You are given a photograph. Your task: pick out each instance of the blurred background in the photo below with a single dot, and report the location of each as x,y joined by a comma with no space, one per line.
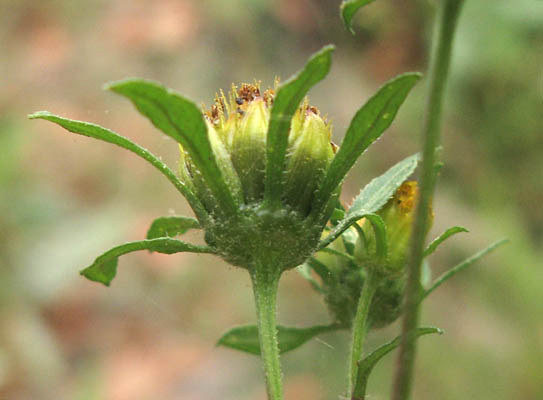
64,199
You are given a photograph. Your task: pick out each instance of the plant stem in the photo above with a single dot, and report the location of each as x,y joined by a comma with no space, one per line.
439,69
360,325
265,280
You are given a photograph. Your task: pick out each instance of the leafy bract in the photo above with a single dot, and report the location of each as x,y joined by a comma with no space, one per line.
182,120
245,338
104,268
441,238
349,8
285,103
106,135
374,195
367,125
365,366
461,266
381,241
171,226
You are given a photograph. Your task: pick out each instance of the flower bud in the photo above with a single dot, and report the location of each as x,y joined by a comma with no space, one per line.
237,127
346,278
397,214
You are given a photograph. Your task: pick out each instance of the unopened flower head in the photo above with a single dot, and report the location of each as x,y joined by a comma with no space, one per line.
237,125
345,281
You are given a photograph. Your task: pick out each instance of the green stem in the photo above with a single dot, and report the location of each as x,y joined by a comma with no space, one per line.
360,325
265,280
445,28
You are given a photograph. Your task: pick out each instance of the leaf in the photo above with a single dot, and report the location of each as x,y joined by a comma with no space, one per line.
461,266
183,121
348,9
286,102
368,124
374,195
106,135
171,226
245,338
104,268
366,365
441,238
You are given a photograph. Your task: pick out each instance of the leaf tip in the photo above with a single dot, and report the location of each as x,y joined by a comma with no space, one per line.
39,114
93,276
117,86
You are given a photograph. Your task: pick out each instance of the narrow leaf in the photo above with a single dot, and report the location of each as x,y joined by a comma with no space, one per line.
441,238
182,120
104,268
374,195
461,266
367,126
171,226
106,135
366,365
286,102
245,338
348,9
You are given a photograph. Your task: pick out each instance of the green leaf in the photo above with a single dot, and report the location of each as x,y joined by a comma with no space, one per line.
182,120
366,365
462,266
106,135
374,195
286,102
104,268
245,338
441,238
348,9
368,124
171,226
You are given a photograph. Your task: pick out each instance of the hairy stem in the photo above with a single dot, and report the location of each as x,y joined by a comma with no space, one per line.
360,325
445,29
265,280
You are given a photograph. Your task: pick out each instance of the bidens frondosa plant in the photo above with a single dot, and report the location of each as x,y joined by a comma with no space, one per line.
261,175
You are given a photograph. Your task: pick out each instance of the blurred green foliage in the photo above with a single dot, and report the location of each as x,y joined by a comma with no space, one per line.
65,199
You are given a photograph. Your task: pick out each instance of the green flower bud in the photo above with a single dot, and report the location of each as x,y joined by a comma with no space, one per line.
346,278
237,129
397,214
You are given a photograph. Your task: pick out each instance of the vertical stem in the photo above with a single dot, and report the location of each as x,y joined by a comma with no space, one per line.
265,280
439,69
360,326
